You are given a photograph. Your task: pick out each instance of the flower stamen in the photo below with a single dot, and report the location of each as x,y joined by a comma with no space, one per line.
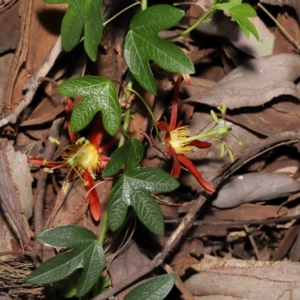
83,156
178,140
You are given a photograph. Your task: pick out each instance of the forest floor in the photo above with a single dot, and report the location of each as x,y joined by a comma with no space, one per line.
241,242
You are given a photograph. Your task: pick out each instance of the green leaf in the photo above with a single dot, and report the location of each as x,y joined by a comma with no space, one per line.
134,189
67,286
142,44
66,237
153,289
82,16
87,254
102,285
129,155
99,94
241,13
226,4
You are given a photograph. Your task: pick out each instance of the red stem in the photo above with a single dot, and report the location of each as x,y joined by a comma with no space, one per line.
175,103
68,108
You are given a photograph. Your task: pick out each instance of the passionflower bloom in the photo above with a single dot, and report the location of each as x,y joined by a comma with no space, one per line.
179,142
84,158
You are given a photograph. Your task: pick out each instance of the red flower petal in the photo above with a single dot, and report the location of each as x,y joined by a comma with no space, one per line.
106,146
162,125
200,144
96,135
176,168
190,166
36,160
94,201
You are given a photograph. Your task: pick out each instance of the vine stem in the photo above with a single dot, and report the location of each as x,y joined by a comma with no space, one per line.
144,4
147,107
119,13
104,226
199,21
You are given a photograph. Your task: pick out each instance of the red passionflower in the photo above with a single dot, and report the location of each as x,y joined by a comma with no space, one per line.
178,142
83,157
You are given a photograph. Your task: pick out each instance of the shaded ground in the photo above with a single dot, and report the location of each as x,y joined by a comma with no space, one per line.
230,240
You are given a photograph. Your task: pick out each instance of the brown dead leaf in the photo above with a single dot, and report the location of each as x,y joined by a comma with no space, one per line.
289,22
188,245
40,34
15,186
237,278
255,187
10,28
245,212
286,243
292,3
182,261
127,264
276,117
294,253
254,83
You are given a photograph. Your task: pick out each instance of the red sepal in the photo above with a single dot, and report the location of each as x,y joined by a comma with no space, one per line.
48,164
200,144
94,201
191,167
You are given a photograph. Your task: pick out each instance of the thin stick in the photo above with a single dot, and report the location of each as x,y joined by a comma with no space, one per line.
252,241
281,28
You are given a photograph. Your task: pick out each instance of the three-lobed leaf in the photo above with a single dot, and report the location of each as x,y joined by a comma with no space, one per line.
99,94
153,289
86,254
134,189
82,16
129,156
142,44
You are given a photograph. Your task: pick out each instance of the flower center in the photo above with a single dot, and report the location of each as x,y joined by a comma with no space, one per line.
83,156
179,142
88,157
